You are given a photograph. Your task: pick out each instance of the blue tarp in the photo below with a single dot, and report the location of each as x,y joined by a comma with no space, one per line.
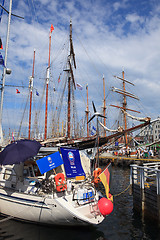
72,162
49,162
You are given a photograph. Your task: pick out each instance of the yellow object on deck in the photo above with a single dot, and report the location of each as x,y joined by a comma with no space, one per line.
79,178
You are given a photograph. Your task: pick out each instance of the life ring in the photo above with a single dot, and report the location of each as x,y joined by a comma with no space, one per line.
60,181
96,173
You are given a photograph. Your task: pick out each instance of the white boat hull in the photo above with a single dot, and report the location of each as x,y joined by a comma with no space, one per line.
46,210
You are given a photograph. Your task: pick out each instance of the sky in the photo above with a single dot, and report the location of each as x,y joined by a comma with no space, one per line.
108,37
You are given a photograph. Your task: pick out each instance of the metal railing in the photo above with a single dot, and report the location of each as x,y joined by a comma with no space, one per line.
146,175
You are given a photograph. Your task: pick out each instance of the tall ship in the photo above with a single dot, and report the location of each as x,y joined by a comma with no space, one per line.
57,187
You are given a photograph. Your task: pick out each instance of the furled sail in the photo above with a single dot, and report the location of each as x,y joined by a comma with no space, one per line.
120,129
146,119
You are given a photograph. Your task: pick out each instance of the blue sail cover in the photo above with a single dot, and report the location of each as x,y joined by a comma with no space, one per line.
49,162
72,163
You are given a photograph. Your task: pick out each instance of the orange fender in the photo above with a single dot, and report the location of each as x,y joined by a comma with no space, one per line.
60,181
96,173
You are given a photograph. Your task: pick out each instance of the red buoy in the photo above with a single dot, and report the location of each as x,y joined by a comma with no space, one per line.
105,206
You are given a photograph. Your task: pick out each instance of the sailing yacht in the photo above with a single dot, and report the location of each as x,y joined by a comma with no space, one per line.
57,189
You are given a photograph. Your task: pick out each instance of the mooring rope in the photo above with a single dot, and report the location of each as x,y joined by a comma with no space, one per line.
118,194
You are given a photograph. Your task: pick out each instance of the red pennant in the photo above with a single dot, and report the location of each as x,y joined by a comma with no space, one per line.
1,46
52,28
17,91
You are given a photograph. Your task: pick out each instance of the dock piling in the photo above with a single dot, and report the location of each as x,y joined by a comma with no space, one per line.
145,181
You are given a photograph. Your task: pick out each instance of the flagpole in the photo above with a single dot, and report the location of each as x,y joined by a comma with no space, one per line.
124,107
69,87
4,71
31,90
97,156
104,105
87,112
47,82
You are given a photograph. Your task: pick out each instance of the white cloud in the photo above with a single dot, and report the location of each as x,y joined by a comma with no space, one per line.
134,18
120,5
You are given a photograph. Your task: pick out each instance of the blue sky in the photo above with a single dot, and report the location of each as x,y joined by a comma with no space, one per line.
108,36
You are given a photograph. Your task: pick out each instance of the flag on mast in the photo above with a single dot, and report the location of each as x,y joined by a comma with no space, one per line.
17,91
1,60
105,177
52,28
1,46
79,86
37,93
59,79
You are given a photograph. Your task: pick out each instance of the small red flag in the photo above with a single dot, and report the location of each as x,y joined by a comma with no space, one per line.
59,79
17,91
1,46
52,28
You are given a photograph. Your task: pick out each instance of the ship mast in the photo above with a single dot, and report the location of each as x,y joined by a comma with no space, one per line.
69,108
104,105
124,107
71,59
87,112
31,91
124,104
47,82
5,70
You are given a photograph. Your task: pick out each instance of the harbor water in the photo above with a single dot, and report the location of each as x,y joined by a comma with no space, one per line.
123,222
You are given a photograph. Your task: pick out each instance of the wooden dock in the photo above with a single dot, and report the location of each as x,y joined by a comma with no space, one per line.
145,182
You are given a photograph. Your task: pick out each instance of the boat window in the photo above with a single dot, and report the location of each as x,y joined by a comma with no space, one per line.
25,172
31,174
36,171
7,174
28,171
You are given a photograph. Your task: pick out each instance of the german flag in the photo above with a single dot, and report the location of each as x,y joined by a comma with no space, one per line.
105,177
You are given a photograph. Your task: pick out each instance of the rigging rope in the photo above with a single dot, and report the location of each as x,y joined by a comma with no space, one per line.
19,131
37,114
34,15
118,194
1,10
59,105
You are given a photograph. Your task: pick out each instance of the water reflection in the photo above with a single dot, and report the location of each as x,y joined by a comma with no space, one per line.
124,223
18,230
